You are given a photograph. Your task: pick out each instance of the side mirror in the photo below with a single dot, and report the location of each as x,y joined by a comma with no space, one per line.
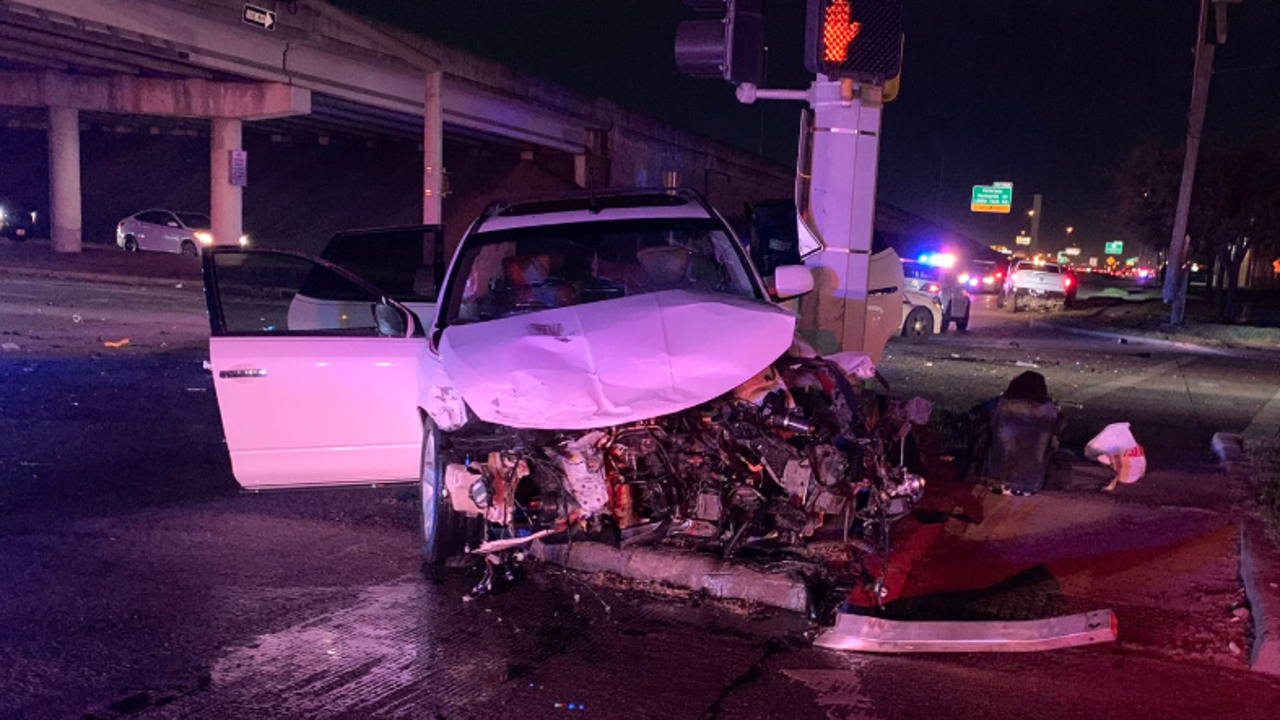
791,281
391,320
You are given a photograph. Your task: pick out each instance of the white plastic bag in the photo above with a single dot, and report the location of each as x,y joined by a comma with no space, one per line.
1116,448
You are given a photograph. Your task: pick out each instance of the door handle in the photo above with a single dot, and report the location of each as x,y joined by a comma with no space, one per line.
251,373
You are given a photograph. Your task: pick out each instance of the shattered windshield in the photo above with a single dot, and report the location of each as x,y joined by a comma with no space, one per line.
509,272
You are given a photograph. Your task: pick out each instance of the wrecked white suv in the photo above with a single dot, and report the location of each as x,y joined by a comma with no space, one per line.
607,366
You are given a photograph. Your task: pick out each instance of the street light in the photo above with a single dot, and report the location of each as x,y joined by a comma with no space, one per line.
1031,213
1070,229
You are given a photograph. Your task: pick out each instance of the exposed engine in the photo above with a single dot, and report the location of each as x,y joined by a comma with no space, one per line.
798,458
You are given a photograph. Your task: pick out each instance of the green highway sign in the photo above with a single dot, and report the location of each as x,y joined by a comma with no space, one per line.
1115,248
997,198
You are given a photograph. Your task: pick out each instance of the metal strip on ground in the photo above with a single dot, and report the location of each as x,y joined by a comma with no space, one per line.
861,633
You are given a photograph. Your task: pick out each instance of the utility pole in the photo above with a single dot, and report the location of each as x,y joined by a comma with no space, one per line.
1037,212
1175,280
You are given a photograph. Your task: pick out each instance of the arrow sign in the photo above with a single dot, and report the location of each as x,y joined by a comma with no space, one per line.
259,17
838,32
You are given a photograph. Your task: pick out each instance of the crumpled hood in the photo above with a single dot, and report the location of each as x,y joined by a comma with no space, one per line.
612,362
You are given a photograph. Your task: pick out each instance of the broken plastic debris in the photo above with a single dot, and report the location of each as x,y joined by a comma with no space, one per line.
76,318
1116,448
1024,363
179,286
10,346
116,343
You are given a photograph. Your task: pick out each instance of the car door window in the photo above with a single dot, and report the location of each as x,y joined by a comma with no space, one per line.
277,294
152,217
406,263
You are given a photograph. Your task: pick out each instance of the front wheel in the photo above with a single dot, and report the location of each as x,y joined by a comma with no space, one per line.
919,325
444,530
189,249
946,319
130,243
963,323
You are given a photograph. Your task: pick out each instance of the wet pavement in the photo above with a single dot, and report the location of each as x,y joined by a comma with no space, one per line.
139,582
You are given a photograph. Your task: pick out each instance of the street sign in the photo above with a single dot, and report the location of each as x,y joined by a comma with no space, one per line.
259,17
1131,262
1114,248
1072,251
1093,262
1111,262
1023,239
1063,258
996,198
238,174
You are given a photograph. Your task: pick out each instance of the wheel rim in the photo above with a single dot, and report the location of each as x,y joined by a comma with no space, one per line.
430,481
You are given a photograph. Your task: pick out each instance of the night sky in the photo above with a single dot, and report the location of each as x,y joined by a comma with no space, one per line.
1047,94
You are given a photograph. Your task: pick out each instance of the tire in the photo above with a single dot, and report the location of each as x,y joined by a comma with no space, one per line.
963,323
189,249
1000,300
130,243
1013,304
444,532
946,318
918,326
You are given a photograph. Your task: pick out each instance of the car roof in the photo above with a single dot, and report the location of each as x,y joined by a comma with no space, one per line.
582,207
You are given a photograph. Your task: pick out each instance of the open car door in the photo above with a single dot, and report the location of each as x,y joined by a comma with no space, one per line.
311,398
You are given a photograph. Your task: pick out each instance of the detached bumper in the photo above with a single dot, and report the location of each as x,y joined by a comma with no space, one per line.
861,633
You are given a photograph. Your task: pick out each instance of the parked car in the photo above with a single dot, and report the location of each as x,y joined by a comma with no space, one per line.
17,221
1037,282
597,366
983,277
943,284
184,233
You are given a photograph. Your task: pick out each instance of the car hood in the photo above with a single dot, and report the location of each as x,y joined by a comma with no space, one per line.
612,362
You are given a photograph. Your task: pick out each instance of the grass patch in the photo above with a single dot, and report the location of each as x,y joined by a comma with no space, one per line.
1266,463
1148,319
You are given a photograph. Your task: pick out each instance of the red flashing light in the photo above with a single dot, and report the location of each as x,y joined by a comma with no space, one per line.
999,275
838,32
934,288
1066,282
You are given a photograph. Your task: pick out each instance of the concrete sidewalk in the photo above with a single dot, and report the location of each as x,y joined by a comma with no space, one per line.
98,263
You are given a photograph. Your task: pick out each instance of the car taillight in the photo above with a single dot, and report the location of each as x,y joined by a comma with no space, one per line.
934,288
999,275
1066,282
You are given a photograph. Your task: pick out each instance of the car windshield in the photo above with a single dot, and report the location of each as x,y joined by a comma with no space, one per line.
195,220
508,272
921,272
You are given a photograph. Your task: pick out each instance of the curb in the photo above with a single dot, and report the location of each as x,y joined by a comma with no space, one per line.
1260,571
717,578
1259,563
96,277
1137,339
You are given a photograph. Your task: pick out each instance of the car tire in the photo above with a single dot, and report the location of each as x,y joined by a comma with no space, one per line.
918,326
189,249
963,323
1013,304
444,531
946,319
1000,300
130,243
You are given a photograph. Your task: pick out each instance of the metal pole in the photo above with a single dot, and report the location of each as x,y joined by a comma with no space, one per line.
1175,281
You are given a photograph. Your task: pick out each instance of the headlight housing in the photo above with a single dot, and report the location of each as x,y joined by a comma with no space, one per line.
244,241
204,237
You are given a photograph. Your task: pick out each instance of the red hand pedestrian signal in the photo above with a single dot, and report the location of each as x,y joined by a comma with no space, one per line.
838,31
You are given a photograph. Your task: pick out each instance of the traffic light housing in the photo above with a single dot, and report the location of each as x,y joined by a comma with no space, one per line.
726,42
856,39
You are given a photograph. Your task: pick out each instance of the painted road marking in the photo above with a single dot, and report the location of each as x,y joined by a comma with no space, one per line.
1127,381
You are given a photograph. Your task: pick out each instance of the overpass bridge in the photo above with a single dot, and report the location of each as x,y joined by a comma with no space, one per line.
309,67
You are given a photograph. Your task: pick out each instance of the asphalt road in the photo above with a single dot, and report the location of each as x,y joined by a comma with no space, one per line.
139,582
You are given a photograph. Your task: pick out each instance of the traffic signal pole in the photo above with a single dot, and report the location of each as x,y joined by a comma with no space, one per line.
840,212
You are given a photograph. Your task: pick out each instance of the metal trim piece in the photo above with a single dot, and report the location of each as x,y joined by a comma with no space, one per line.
862,633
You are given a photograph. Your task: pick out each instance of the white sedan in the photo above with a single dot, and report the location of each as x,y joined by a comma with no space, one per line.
182,233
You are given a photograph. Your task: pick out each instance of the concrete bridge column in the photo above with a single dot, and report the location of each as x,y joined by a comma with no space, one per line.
65,217
226,203
432,149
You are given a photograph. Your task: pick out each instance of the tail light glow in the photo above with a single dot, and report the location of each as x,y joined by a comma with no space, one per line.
1066,283
934,288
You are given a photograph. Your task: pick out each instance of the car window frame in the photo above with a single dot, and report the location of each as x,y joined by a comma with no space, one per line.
213,294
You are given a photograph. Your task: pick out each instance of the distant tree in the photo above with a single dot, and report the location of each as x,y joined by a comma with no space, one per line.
1146,193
